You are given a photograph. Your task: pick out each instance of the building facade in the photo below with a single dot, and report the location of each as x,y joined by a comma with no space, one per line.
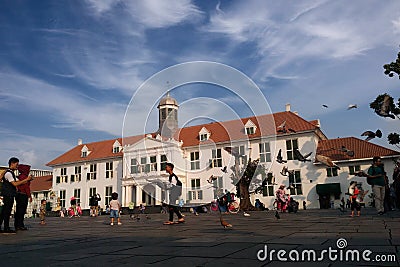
206,155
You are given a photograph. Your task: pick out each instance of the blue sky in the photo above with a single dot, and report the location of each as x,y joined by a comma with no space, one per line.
68,69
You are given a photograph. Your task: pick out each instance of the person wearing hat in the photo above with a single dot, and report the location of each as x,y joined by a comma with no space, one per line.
355,204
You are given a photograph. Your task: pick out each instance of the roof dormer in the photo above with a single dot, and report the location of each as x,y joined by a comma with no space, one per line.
85,151
204,134
250,127
117,147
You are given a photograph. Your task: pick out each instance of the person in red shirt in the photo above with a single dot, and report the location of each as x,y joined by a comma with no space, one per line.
354,198
22,197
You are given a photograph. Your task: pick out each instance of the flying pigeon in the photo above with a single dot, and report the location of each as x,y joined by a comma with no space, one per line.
211,179
371,135
325,106
300,157
351,106
282,125
349,153
284,171
326,160
384,111
224,223
282,128
234,151
279,158
277,215
224,169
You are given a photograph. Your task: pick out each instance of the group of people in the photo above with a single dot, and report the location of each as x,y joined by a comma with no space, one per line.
16,188
285,202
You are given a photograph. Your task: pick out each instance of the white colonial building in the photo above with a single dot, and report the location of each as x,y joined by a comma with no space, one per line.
86,170
203,158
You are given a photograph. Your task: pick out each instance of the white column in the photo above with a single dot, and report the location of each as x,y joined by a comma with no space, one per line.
123,197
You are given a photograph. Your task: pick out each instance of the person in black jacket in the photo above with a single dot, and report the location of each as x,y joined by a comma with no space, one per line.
9,191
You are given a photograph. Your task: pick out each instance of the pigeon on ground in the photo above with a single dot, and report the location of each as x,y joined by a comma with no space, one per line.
351,106
245,214
371,135
224,223
279,158
384,111
224,169
211,179
300,157
277,215
326,161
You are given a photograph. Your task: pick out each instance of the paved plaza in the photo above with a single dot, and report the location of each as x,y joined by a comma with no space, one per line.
202,241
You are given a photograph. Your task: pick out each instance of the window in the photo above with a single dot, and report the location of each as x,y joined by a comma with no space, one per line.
91,175
77,195
195,184
134,166
216,160
218,187
116,149
76,177
291,145
203,137
268,186
195,160
354,169
62,198
331,172
92,191
144,167
265,152
295,183
58,179
163,161
46,195
108,195
195,193
84,154
163,114
250,130
242,155
109,170
153,163
64,177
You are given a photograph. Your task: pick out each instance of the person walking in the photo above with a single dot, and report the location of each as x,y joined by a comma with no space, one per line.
9,191
175,191
376,176
115,207
354,198
22,198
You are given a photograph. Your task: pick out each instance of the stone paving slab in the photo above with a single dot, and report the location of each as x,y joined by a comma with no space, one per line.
200,241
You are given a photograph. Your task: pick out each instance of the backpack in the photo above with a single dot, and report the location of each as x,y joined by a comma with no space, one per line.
8,189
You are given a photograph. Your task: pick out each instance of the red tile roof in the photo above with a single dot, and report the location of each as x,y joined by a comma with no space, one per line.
220,132
362,149
98,150
235,129
42,183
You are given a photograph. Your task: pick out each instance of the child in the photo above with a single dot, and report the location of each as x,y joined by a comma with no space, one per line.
42,211
141,208
354,194
115,206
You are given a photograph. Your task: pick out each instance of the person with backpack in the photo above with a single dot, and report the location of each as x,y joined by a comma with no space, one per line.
9,191
175,187
376,178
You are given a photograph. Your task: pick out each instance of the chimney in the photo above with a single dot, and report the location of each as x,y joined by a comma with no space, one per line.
287,107
79,142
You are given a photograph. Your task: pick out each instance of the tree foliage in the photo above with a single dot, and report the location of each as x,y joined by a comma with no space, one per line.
393,67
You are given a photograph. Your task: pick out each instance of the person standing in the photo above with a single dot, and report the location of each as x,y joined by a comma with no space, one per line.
376,174
175,192
43,212
115,207
354,196
9,191
96,204
22,197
